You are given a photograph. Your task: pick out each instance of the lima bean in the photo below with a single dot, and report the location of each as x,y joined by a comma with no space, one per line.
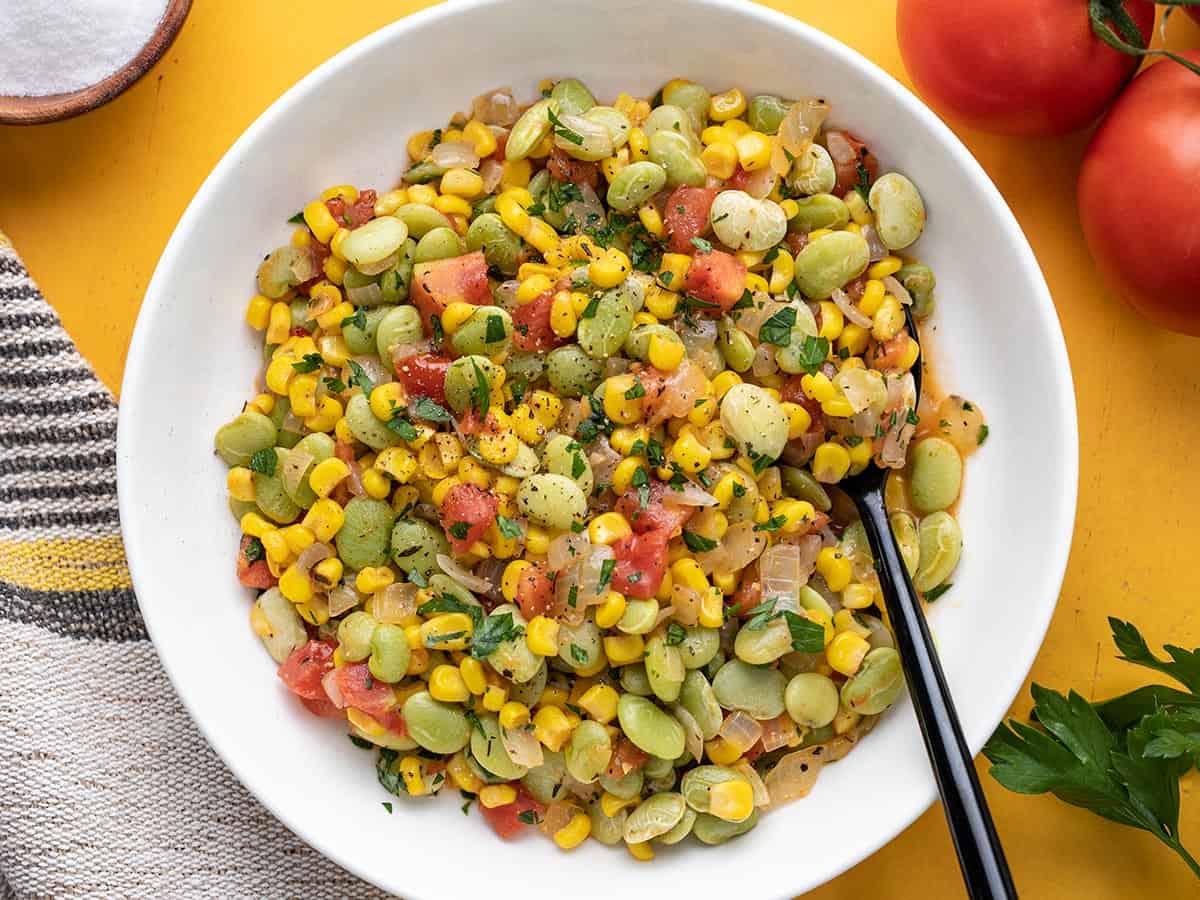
287,628
674,120
819,211
365,427
462,379
635,184
545,782
664,668
759,646
488,749
941,547
800,483
374,241
529,130
675,154
614,121
697,697
563,456
602,334
626,787
918,280
270,495
501,247
681,830
551,500
742,222
758,692
571,372
609,831
830,262
573,97
320,447
588,751
390,653
904,527
899,210
690,97
711,830
811,700
654,816
415,545
438,243
237,441
699,646
363,539
755,420
813,172
579,646
361,341
735,345
399,325
876,685
634,680
765,112
512,658
436,726
649,728
420,219
487,332
640,617
936,476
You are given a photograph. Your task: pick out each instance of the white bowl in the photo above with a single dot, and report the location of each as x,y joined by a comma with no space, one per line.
192,364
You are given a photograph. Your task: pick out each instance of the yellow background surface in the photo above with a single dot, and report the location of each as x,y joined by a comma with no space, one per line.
90,204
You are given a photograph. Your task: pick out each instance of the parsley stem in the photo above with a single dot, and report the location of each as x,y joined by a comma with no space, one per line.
1175,845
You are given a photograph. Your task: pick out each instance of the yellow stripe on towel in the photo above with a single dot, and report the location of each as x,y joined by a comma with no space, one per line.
65,564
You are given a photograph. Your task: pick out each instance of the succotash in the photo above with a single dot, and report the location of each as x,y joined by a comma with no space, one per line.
539,488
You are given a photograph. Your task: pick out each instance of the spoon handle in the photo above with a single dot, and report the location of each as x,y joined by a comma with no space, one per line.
980,855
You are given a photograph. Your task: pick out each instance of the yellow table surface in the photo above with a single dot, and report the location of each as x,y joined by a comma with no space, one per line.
90,204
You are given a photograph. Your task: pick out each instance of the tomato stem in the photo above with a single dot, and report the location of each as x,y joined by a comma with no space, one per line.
1130,40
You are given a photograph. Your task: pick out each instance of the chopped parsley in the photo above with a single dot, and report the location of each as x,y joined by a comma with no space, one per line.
911,417
702,245
492,632
982,436
933,593
606,572
358,320
562,131
862,181
254,550
529,817
772,524
807,636
335,385
460,530
746,301
813,353
297,219
578,466
359,377
777,330
579,654
430,410
589,311
310,362
402,427
481,393
508,528
636,391
762,615
561,193
495,330
698,543
675,634
264,461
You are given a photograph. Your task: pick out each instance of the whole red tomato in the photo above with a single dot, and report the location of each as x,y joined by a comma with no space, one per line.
1029,67
1137,195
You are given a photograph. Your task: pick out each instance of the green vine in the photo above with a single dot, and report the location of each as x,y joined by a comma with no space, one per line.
1126,37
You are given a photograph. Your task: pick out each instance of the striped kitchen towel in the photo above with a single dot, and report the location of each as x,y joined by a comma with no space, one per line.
106,787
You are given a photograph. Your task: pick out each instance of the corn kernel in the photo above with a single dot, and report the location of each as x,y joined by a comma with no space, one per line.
754,151
641,851
839,407
623,398
712,608
853,340
410,772
532,288
726,106
846,651
732,801
650,218
858,596
494,795
662,304
276,546
677,265
494,698
447,631
541,236
610,611
295,585
720,158
325,518
755,283
515,173
562,315
446,684
608,528
663,354
689,453
513,214
834,567
514,715
541,636
462,775
623,650
625,471
610,269
861,453
240,482
721,752
639,145
600,702
575,832
537,540
320,221
889,319
551,727
373,578
830,463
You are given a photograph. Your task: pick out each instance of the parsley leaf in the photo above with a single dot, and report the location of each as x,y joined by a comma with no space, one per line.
508,528
263,461
777,330
675,634
807,636
561,193
562,131
529,817
254,550
636,391
460,530
492,632
447,603
982,436
402,427
1184,665
702,245
359,377
297,219
358,320
698,543
606,572
772,524
862,181
430,410
578,466
481,393
495,330
334,385
360,743
813,353
310,362
762,615
655,453
589,311
746,301
579,654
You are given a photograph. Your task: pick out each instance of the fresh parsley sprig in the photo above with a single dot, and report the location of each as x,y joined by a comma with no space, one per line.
1122,758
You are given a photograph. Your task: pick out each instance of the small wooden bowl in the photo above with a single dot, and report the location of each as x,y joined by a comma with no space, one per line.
53,107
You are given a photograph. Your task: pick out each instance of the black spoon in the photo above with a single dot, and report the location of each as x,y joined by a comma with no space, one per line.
980,855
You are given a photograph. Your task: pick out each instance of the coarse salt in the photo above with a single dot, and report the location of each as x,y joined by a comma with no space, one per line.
55,46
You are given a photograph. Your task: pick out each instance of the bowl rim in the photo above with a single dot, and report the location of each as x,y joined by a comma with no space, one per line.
138,363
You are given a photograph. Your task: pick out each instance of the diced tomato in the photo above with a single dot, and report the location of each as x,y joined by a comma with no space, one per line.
531,325
437,284
392,720
304,668
364,691
352,215
424,375
324,708
738,180
501,146
344,452
847,153
299,331
626,758
796,241
656,515
563,168
470,423
755,751
718,278
535,592
888,355
506,820
686,216
467,511
641,562
255,574
749,591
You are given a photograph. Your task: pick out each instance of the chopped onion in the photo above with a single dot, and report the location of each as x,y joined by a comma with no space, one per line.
506,294
685,602
303,268
398,353
740,730
782,575
455,155
354,480
794,776
863,388
490,171
491,570
616,365
761,183
874,244
558,814
342,599
750,318
381,266
902,396
321,304
589,577
603,460
369,294
311,555
797,130
332,691
679,393
664,613
567,549
761,796
740,546
778,732
395,603
693,737
294,467
291,422
451,567
496,107
764,363
588,209
897,290
849,310
689,495
522,746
